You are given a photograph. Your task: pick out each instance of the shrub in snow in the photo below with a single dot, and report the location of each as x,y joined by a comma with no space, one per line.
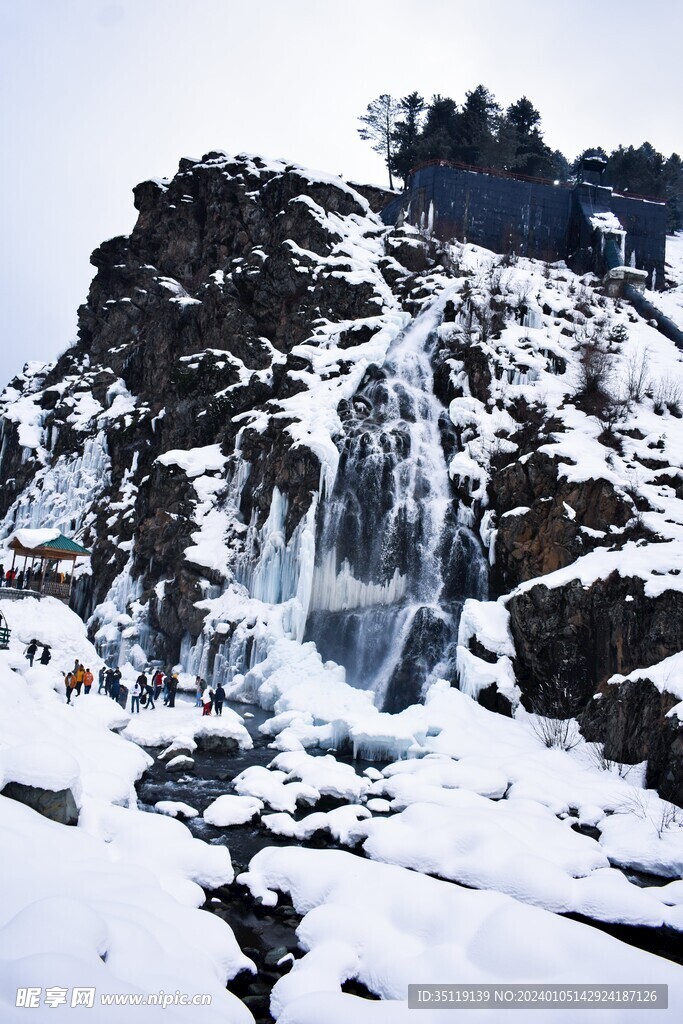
554,709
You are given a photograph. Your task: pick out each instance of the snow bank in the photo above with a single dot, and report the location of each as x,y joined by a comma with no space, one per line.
182,724
387,927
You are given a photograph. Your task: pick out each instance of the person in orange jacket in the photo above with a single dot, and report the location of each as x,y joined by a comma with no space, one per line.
87,680
71,685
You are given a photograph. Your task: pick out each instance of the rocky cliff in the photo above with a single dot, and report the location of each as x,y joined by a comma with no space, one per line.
238,349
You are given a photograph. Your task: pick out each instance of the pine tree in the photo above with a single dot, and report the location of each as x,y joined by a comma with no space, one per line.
406,135
531,155
440,132
477,126
379,125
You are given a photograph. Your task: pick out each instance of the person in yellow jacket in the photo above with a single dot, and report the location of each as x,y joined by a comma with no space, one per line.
87,680
79,676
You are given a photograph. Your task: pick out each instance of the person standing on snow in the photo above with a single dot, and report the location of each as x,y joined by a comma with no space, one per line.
72,687
218,698
150,694
102,679
158,683
115,687
87,680
79,676
135,691
199,687
207,701
172,690
31,652
46,655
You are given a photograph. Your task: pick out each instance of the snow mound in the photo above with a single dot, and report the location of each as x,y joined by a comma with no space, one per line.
386,927
232,810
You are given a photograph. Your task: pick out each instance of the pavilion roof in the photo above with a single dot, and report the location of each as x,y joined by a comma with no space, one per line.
46,544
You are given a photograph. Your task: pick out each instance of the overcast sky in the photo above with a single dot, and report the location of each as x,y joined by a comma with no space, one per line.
98,95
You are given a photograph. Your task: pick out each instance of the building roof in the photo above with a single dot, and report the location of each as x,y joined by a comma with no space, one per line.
46,544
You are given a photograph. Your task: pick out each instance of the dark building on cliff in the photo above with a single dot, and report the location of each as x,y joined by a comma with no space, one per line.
620,237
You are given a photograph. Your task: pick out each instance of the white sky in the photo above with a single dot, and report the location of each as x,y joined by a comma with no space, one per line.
98,95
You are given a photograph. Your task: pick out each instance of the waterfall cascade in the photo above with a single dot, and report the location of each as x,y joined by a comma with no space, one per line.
393,563
377,571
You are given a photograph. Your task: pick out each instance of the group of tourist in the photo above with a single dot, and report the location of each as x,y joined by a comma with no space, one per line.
149,686
30,578
208,698
79,678
145,691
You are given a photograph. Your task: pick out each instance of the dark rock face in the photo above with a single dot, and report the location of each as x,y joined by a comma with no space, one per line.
585,635
188,333
631,720
58,806
548,536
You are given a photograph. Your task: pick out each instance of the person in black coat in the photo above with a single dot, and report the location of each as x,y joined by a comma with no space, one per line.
218,698
31,651
46,655
115,686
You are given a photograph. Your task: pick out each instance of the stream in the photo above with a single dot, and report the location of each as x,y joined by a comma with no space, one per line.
268,934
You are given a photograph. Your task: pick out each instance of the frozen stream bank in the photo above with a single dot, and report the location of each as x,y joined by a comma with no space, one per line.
268,934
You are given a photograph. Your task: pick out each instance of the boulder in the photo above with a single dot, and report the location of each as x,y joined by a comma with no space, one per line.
217,743
631,720
59,805
181,763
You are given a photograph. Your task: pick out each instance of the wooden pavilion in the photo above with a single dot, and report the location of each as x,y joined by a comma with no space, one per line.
43,551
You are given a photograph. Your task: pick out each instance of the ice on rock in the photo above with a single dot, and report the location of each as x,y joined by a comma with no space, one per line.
169,726
647,836
489,623
475,675
473,773
378,806
61,496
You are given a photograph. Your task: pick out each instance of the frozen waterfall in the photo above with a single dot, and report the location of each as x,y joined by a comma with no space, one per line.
393,564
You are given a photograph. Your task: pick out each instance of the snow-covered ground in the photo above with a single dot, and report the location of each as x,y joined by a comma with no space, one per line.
111,903
468,797
487,806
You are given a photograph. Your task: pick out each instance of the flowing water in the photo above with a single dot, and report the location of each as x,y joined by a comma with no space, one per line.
393,564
